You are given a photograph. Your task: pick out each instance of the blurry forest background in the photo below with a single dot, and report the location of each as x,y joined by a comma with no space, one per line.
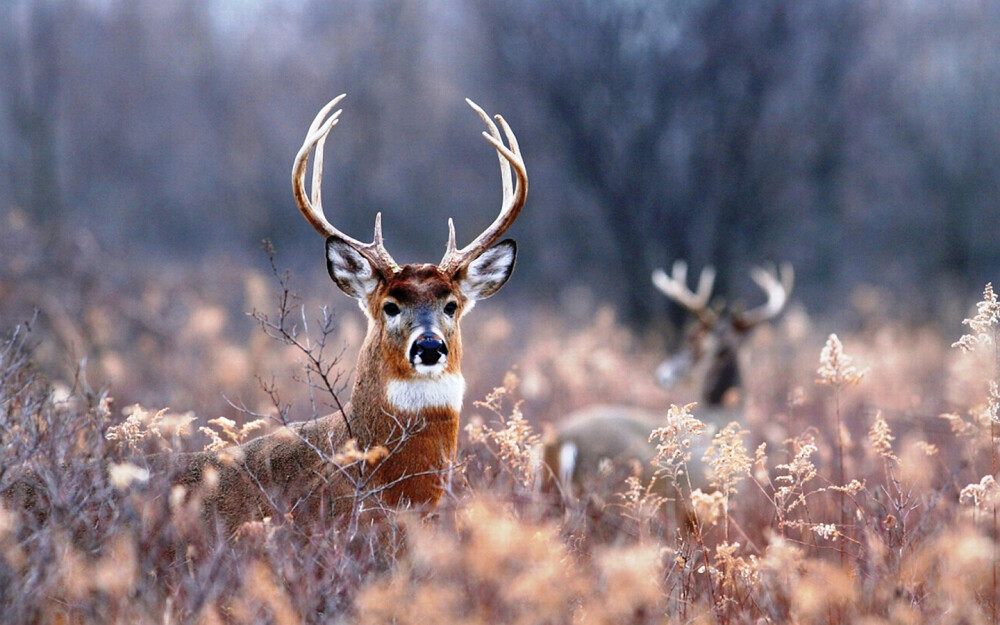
145,153
858,140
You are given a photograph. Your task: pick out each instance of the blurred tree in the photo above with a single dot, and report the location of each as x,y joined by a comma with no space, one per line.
858,140
687,121
30,75
924,174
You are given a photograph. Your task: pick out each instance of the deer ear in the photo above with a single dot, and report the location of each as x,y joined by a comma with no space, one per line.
350,270
485,275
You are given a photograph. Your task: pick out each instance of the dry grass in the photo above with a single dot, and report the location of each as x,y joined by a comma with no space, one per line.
852,492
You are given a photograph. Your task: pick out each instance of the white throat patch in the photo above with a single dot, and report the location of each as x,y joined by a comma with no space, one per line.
414,396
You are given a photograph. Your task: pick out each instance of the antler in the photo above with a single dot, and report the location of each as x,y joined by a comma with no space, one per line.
513,197
777,285
675,287
312,210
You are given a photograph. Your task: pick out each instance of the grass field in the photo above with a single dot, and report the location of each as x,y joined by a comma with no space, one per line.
859,486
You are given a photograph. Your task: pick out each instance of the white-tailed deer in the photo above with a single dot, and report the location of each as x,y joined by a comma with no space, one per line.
709,355
403,417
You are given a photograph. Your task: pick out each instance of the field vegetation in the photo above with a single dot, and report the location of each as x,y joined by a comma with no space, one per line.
860,486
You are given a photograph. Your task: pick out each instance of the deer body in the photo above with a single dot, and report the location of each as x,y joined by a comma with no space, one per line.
591,435
393,443
290,471
710,354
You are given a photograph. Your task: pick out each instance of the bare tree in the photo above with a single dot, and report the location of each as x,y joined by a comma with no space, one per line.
29,71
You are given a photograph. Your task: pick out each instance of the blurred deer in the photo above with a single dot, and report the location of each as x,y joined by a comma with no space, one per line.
394,442
709,356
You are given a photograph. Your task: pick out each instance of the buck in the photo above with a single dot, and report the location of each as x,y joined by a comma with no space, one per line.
401,424
709,355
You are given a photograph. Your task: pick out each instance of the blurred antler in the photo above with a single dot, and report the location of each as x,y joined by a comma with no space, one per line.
675,287
777,285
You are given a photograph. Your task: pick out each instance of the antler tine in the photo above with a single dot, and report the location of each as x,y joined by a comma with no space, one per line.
675,287
705,283
777,285
312,209
514,196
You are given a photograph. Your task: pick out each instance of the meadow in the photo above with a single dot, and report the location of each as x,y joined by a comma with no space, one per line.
858,488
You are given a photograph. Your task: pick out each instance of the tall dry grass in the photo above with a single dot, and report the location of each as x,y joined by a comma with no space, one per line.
861,485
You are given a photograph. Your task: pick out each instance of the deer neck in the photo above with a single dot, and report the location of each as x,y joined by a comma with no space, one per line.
387,394
414,417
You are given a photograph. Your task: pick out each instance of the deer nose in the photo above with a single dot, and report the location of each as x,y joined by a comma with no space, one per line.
428,349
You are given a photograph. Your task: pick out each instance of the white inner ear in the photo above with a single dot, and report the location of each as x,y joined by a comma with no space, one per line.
351,271
487,274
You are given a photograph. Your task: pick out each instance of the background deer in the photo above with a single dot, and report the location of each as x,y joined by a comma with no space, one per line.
709,355
393,443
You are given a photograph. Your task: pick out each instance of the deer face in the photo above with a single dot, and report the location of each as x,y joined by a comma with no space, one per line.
711,347
709,353
415,310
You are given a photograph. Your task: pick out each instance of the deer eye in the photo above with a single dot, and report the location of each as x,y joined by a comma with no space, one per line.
390,309
450,308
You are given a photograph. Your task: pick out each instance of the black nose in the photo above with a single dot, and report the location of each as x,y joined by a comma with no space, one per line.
428,349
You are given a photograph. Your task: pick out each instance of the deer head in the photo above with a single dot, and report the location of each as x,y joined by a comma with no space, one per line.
713,342
413,311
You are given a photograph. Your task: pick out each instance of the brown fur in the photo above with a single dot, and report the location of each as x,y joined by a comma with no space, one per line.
289,471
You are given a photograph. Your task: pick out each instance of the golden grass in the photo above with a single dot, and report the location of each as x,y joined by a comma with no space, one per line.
852,492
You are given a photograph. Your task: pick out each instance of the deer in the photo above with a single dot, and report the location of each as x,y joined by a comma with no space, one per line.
391,445
586,440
